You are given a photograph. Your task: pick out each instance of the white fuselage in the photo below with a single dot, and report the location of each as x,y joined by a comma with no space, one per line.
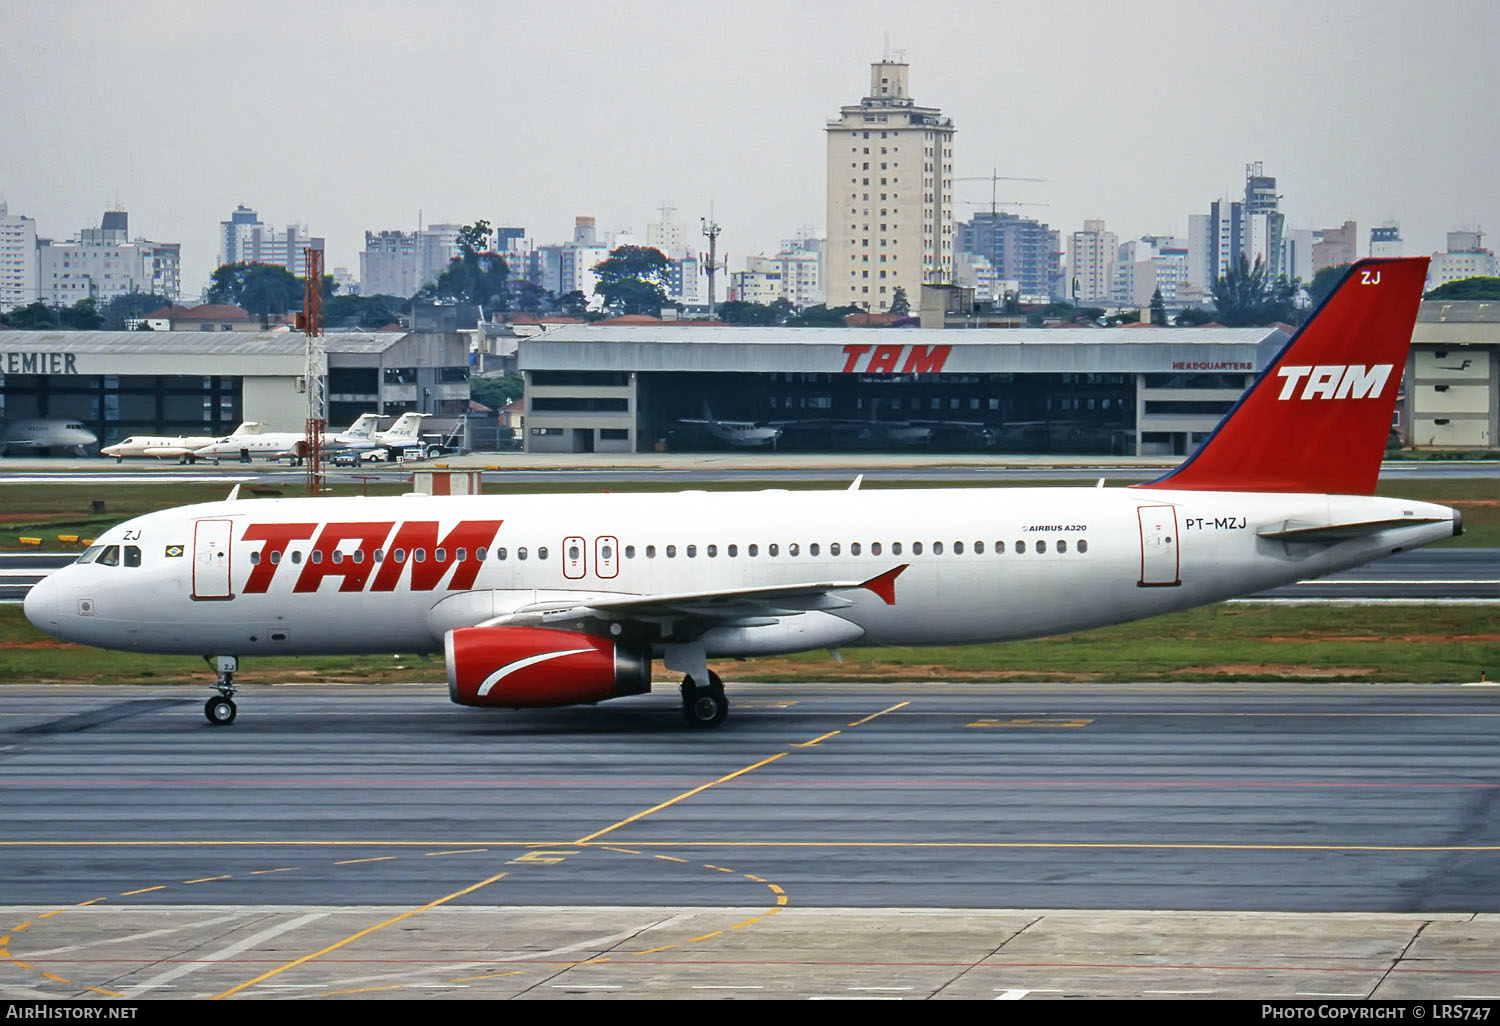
982,564
156,446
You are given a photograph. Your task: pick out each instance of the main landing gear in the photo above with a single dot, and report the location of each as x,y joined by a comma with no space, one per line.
704,706
220,709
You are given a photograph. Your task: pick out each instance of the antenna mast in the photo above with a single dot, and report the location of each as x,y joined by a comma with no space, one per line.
311,322
711,229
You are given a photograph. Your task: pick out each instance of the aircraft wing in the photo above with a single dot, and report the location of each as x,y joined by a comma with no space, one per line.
709,607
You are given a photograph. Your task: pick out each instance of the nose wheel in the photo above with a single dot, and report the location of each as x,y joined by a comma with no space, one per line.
704,706
220,709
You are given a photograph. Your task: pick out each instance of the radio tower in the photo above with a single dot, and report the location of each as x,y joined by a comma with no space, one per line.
311,322
711,229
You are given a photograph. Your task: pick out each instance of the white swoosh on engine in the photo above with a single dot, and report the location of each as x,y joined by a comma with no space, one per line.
521,664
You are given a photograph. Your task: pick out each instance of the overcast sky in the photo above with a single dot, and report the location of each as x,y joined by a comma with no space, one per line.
354,116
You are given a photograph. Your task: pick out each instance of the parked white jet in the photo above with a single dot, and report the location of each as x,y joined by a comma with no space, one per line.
41,435
182,447
552,600
253,442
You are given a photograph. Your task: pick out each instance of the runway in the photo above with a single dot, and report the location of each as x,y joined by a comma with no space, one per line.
965,840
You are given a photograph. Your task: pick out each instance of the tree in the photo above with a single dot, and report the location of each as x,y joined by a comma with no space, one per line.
1158,309
475,275
262,289
1323,281
130,307
1246,296
1467,288
1192,316
528,296
633,280
36,316
821,316
573,304
496,392
900,305
739,312
82,316
361,311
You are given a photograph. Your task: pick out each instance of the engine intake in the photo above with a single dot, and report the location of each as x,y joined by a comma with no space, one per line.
540,666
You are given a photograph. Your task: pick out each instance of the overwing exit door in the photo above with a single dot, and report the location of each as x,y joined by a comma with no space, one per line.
211,559
1160,564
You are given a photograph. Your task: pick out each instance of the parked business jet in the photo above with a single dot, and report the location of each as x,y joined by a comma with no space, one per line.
251,441
181,447
552,600
39,436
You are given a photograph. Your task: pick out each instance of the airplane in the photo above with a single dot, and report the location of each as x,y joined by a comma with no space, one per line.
250,441
41,435
710,432
547,600
184,447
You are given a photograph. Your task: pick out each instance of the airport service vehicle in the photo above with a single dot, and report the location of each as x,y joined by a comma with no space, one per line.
39,436
182,447
545,600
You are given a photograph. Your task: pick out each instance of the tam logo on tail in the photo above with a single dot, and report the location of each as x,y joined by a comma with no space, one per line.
1279,437
1336,381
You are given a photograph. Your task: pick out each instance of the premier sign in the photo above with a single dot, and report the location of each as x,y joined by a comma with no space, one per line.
39,363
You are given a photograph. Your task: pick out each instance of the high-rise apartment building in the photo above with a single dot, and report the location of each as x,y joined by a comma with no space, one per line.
1019,249
890,195
245,239
103,263
1385,241
397,263
1091,258
1335,247
1465,257
1264,223
18,260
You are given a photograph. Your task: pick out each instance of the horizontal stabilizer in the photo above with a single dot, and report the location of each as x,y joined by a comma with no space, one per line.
1297,531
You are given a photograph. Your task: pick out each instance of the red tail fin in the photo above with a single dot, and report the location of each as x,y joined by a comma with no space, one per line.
1317,418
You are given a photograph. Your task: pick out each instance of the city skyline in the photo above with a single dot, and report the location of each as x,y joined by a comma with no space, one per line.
1363,113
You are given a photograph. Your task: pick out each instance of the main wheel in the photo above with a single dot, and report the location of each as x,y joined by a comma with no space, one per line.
219,710
704,707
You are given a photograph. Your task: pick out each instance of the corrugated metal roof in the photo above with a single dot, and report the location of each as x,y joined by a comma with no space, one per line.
193,343
1460,312
667,334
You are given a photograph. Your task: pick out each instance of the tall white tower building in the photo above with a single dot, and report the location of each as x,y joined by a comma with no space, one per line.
18,260
890,195
1091,261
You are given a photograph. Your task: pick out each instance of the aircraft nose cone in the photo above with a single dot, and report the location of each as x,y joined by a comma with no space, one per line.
43,605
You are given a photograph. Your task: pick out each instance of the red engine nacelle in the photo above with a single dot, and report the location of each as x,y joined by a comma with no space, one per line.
528,666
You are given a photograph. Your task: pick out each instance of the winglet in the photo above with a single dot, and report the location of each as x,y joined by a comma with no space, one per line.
885,584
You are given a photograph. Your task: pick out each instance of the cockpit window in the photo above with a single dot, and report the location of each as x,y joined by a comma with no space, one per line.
110,556
91,553
132,555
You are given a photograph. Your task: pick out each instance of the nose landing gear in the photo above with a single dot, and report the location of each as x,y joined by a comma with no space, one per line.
220,709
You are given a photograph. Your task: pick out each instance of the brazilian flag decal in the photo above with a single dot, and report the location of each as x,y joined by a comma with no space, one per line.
174,550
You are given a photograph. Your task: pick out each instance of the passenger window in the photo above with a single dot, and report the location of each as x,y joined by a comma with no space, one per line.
753,550
1083,546
793,548
999,548
732,551
573,553
608,553
133,555
500,552
650,551
110,556
255,558
399,555
521,553
297,556
916,548
1020,547
812,550
772,549
979,548
711,551
461,554
692,552
853,549
1062,545
541,552
419,555
317,555
1041,545
874,548
338,557
379,556
276,557
630,552
937,548
479,553
671,551
358,555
